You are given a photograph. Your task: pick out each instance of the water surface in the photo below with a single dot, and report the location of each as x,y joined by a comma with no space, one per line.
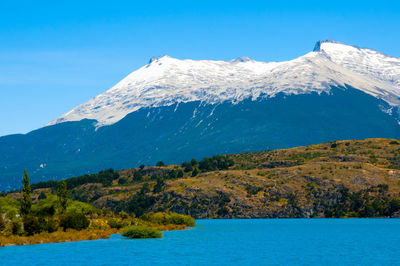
233,242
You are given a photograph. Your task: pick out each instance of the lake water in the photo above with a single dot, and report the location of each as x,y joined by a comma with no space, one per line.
233,242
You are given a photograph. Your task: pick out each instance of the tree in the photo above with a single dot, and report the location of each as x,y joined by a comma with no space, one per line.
195,172
159,186
160,163
26,202
137,176
62,196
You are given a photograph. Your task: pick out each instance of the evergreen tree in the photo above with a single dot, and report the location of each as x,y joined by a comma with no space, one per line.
195,172
62,196
26,202
159,186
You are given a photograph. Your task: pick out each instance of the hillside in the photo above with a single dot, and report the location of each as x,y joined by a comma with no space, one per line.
358,178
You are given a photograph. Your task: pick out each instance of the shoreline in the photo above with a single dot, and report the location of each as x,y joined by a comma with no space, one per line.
73,236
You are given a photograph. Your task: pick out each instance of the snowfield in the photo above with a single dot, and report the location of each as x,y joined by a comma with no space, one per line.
166,81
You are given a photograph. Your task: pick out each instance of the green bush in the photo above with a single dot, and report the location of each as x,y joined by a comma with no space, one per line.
176,218
32,225
164,218
76,221
9,206
124,215
16,227
141,232
51,225
115,224
160,218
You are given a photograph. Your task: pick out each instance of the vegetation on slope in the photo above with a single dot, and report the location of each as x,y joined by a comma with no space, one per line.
354,178
56,218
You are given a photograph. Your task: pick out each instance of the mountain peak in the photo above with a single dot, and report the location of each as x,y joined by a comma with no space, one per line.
317,47
156,59
242,59
166,81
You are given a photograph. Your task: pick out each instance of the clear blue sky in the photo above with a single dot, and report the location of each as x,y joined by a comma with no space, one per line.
55,55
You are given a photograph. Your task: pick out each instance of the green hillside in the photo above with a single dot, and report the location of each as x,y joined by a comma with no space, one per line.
354,178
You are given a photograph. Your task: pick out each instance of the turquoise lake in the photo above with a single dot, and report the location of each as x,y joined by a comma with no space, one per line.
233,242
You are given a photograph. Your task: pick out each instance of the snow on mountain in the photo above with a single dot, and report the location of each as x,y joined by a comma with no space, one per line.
166,81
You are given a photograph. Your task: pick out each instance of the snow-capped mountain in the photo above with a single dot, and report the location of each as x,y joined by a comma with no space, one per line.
175,110
166,81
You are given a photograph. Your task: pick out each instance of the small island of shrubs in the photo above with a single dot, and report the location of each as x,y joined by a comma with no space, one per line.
141,232
56,218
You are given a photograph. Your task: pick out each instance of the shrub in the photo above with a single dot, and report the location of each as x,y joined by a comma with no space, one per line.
176,218
122,181
124,215
16,227
9,206
141,232
32,225
51,225
160,163
217,162
80,207
76,221
137,176
160,218
115,224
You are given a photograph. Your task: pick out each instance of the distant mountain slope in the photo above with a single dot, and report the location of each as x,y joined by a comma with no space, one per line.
193,130
174,109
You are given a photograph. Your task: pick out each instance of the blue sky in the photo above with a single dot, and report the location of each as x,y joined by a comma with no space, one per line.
55,55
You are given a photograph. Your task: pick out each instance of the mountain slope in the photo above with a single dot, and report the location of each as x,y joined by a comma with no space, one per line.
336,179
172,110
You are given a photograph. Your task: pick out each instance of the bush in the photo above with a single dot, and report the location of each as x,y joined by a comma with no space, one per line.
160,218
176,218
9,206
115,224
51,225
122,181
217,162
141,232
123,215
16,227
76,221
32,225
137,176
164,218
